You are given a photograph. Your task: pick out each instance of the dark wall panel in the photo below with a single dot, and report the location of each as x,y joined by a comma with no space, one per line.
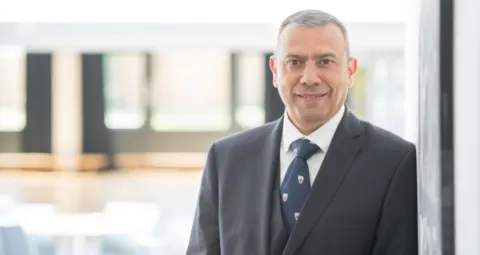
446,123
435,149
37,135
96,138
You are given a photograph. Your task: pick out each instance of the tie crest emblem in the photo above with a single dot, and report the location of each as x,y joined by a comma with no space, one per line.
296,183
300,179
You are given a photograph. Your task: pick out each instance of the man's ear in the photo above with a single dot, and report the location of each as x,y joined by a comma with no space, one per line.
273,68
352,70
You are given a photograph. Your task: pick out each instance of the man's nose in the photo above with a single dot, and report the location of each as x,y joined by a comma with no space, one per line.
310,74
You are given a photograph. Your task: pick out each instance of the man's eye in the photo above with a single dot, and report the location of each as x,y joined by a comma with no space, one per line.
326,61
293,62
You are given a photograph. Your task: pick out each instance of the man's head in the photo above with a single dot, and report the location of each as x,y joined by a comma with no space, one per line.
312,67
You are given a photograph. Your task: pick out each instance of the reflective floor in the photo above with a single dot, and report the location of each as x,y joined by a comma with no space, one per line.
131,212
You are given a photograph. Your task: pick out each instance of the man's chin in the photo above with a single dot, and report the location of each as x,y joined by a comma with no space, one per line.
315,117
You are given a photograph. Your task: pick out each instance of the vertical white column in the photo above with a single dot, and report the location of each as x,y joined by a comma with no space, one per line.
467,125
411,71
66,109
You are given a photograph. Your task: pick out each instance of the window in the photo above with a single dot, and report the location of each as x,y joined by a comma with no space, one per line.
379,92
125,86
12,89
357,96
250,89
191,91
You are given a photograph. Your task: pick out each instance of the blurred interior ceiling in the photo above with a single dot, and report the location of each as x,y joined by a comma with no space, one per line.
191,11
89,25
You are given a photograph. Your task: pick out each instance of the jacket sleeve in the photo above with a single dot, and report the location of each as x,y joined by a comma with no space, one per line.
397,232
204,237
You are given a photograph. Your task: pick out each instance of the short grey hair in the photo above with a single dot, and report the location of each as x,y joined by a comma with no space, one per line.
314,18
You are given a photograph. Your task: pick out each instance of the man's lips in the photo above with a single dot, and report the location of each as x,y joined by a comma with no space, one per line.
312,96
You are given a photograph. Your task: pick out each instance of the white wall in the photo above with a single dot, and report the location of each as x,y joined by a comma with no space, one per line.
261,36
192,11
467,126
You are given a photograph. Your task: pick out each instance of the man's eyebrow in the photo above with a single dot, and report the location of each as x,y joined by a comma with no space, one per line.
295,56
326,55
320,56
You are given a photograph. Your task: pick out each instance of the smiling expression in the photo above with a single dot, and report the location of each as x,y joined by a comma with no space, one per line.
313,72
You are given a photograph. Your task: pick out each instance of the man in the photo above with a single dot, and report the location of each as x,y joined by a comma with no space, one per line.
316,181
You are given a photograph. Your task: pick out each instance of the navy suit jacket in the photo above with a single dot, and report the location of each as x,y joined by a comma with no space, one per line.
363,200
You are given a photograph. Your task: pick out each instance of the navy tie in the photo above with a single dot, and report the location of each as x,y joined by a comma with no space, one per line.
295,187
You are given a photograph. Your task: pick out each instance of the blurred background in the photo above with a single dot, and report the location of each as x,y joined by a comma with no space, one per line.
108,108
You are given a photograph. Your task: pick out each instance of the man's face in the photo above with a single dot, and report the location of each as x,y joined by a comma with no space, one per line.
312,72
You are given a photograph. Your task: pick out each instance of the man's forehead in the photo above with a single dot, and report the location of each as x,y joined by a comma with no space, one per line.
300,38
295,32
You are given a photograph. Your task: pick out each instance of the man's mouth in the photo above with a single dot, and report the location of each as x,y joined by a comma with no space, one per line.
312,97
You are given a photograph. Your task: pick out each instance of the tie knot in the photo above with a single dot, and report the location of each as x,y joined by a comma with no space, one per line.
304,148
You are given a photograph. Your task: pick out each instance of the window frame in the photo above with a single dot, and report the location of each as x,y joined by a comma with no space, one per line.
145,139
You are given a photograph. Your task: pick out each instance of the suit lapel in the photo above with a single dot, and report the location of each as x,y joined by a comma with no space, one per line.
345,146
267,163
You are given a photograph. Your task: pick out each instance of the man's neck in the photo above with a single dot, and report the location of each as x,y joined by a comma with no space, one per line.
308,127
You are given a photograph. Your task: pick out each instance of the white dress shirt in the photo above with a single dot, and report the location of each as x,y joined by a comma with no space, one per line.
322,137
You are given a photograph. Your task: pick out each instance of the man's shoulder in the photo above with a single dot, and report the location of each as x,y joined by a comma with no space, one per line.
247,137
386,140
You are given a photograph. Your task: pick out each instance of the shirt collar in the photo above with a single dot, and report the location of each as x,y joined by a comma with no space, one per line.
322,136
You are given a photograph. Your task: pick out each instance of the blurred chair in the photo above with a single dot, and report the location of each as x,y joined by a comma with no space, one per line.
175,233
134,224
34,217
13,240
